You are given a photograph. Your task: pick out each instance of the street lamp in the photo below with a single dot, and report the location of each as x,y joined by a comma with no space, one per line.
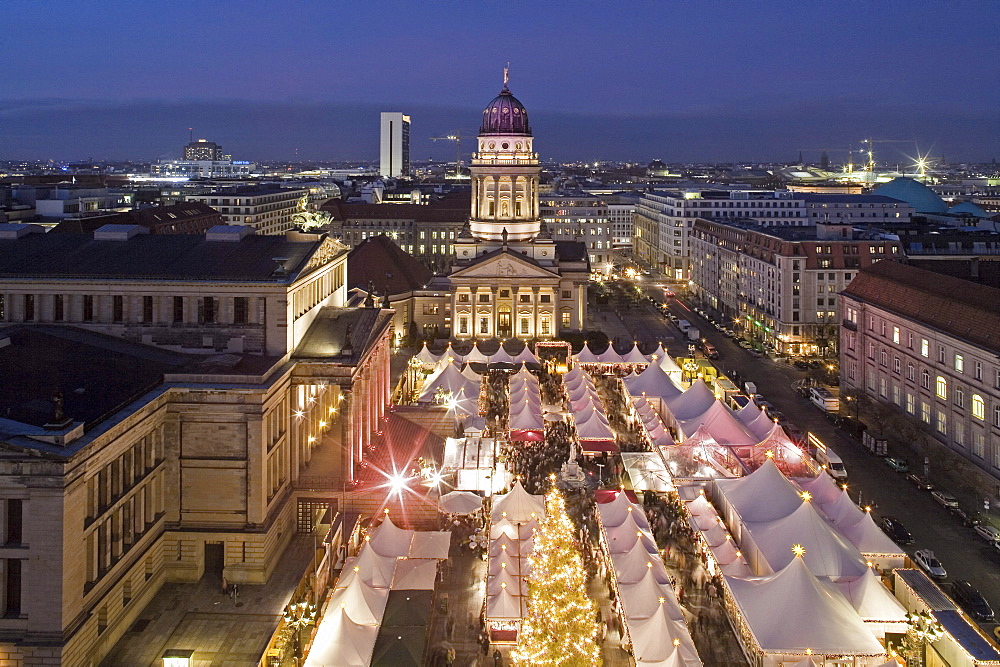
921,629
297,617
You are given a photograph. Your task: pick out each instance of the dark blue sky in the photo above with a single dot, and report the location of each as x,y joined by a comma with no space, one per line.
683,81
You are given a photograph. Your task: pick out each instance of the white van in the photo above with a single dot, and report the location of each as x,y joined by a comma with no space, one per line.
824,399
683,325
834,465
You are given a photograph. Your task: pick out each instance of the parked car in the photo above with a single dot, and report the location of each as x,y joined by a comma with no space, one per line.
971,600
897,464
894,529
945,498
920,482
801,364
757,353
929,563
988,533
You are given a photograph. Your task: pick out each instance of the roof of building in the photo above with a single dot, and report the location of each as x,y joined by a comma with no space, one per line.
378,261
915,193
505,115
155,256
85,367
970,208
452,209
342,335
954,306
159,219
819,198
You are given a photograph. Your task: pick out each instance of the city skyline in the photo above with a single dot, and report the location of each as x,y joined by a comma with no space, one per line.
677,83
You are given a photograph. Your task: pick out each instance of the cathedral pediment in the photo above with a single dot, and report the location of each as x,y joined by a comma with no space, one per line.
504,264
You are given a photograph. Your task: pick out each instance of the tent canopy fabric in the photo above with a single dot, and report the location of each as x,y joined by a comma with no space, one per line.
653,381
391,540
695,401
363,604
526,356
609,356
426,357
526,419
415,574
815,616
634,356
594,429
871,600
460,502
450,379
373,570
631,566
585,356
476,356
722,424
868,538
340,642
669,366
517,505
642,599
763,495
842,512
430,544
505,604
647,472
822,488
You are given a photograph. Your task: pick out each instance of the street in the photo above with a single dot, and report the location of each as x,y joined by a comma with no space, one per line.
962,552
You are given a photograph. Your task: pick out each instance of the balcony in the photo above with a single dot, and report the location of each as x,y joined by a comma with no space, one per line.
849,324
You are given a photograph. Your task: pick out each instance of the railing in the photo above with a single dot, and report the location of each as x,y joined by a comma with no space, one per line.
850,324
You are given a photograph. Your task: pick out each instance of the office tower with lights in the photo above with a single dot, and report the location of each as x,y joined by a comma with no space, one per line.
394,154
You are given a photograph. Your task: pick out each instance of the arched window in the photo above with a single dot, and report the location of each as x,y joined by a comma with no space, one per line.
978,407
942,387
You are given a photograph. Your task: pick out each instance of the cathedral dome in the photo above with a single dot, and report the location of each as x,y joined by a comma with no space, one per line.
505,115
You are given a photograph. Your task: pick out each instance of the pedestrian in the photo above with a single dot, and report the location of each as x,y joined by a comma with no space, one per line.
225,585
497,658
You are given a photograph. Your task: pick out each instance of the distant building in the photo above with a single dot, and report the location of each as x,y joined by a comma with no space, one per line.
925,344
186,218
202,169
266,208
394,147
779,285
72,201
621,215
204,150
425,231
579,218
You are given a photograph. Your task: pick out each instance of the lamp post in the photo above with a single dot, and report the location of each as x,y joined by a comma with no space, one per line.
921,629
298,616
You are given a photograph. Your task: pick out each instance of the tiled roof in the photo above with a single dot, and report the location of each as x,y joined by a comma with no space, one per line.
382,263
448,210
957,307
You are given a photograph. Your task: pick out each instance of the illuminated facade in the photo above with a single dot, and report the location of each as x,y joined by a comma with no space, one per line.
510,279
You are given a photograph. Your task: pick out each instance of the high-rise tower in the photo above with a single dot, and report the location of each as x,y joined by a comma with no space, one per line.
394,153
505,173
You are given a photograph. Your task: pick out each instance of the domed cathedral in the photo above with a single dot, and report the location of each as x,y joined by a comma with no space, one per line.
509,278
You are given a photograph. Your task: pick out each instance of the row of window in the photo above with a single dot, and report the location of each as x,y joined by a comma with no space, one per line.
484,297
524,326
92,308
941,389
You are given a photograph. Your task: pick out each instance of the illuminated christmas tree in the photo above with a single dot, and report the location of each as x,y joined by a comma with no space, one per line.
560,626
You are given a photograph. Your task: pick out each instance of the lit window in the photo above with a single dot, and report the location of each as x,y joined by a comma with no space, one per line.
895,335
942,422
942,388
925,412
925,347
978,407
959,363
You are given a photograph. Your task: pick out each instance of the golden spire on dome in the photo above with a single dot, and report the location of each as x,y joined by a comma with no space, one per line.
506,75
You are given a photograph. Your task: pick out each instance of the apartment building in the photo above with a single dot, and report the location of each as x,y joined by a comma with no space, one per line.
926,344
267,209
859,210
142,460
779,285
579,218
621,215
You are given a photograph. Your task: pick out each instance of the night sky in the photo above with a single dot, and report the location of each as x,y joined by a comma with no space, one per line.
678,81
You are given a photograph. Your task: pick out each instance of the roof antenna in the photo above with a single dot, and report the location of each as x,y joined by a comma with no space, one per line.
190,135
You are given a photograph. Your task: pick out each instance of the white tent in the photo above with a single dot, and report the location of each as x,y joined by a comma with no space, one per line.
813,615
760,427
430,544
609,356
701,505
763,495
721,424
634,356
622,539
658,353
415,574
476,356
827,553
340,642
501,356
426,357
506,604
471,375
450,354
594,429
373,570
391,540
589,410
873,544
641,599
505,543
526,356
843,512
585,356
574,375
506,581
653,640
504,562
450,379
872,600
503,526
616,512
670,367
527,418
822,488
652,382
460,502
464,403
363,604
749,412
695,400
631,566
517,506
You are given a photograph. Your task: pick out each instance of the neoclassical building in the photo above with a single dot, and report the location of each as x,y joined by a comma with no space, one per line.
509,278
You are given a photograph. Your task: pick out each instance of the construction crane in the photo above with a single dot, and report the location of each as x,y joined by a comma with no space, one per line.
870,167
455,136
